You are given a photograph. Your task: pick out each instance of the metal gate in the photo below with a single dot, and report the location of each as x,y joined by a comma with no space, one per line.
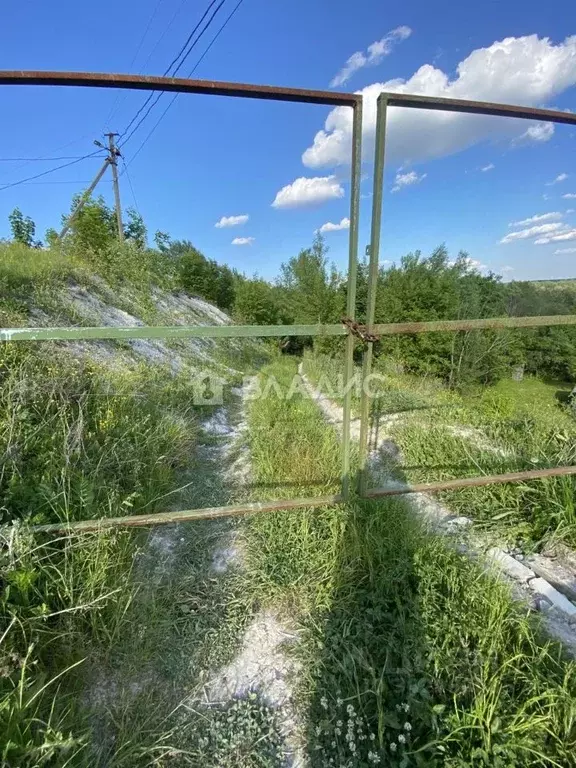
348,329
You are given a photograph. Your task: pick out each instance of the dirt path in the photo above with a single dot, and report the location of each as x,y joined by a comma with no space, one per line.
200,653
545,585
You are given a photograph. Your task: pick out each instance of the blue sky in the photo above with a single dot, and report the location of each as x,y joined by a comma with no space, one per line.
213,157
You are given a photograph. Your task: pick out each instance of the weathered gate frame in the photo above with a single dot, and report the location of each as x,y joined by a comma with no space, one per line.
386,100
330,98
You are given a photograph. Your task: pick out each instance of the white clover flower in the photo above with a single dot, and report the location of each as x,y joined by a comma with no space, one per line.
333,745
407,727
338,731
393,746
402,738
372,737
374,757
324,702
406,707
339,702
339,723
350,709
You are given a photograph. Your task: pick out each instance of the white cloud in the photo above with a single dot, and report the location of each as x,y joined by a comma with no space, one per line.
564,250
569,196
506,268
330,227
537,132
569,210
407,179
488,167
243,240
528,233
538,219
517,70
475,264
557,237
232,221
374,55
308,191
558,179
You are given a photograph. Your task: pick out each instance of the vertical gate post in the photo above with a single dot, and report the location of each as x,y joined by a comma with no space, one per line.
356,169
377,193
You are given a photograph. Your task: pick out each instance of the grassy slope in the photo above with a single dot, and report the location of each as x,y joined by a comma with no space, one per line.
506,427
403,637
81,438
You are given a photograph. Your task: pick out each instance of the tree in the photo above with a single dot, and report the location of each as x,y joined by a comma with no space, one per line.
135,230
162,240
51,237
255,302
311,286
225,288
436,288
94,226
193,272
204,277
23,228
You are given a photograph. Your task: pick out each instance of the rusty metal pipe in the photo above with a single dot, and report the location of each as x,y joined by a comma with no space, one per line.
477,107
186,515
178,84
471,482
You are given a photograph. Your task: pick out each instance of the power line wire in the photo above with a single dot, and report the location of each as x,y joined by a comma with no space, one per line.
163,35
167,70
131,187
40,159
52,170
120,96
191,35
216,36
80,181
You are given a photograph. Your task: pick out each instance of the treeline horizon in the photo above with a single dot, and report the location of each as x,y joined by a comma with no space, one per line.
311,290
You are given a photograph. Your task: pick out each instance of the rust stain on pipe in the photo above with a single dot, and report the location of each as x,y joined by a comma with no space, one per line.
472,482
178,84
186,515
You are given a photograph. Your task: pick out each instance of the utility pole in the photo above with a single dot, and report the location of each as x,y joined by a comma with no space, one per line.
112,161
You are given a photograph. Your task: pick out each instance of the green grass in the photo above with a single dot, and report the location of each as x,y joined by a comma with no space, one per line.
510,426
80,440
436,663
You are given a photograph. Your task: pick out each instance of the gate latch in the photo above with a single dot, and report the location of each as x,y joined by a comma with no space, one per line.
360,331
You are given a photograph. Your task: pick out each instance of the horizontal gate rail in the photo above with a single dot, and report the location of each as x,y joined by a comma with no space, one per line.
186,515
477,107
470,482
170,332
262,331
180,85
